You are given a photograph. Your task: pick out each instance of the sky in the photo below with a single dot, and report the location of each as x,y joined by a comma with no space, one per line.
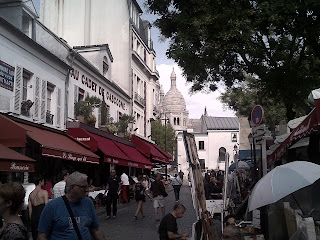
196,103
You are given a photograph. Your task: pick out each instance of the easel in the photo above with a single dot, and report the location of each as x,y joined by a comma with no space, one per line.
199,200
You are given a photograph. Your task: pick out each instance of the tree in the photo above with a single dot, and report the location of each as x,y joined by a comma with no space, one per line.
158,132
85,109
277,41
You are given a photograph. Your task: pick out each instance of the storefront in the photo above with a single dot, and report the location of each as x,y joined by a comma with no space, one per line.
154,153
52,149
115,152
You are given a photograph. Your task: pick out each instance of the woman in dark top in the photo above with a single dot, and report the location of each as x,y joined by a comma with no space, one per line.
139,189
38,198
11,199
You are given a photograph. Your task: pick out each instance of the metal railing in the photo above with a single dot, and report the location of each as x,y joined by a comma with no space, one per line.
139,99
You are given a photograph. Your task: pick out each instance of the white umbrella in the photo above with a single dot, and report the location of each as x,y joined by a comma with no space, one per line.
282,181
241,165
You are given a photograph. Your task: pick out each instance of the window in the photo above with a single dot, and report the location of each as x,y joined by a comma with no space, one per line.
105,67
201,145
178,121
174,121
234,137
145,56
50,89
81,94
222,154
27,25
26,100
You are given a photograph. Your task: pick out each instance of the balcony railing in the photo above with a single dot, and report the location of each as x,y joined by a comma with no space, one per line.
49,117
139,99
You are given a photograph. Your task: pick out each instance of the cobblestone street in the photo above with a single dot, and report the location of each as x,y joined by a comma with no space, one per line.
125,227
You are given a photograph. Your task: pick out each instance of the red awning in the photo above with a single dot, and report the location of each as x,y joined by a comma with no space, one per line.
115,152
59,145
149,150
12,161
167,155
138,160
12,134
309,124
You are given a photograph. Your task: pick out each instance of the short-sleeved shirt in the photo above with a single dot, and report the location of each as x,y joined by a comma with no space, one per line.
168,223
113,184
56,221
157,188
59,189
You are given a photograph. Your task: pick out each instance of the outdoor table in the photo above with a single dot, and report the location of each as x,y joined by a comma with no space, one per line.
94,194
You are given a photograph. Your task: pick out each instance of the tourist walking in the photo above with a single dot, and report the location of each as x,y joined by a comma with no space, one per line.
176,184
11,199
59,187
125,187
168,228
158,189
71,216
181,175
38,198
112,191
139,192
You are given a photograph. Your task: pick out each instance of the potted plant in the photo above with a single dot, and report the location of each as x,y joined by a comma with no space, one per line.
83,110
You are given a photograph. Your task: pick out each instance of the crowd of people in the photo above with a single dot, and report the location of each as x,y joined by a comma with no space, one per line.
51,206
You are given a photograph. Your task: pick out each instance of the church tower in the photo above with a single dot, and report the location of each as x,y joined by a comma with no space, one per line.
173,107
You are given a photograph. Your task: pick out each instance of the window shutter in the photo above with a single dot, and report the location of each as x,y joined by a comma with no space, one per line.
58,121
43,100
36,98
18,85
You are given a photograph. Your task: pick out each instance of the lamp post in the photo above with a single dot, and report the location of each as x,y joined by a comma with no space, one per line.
252,146
235,149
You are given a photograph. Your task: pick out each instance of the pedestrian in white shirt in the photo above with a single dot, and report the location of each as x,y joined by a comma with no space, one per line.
60,187
176,183
125,187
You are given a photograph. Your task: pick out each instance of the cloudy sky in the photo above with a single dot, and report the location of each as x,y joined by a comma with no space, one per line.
195,102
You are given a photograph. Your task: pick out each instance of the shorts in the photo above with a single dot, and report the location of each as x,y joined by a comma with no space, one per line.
158,201
140,197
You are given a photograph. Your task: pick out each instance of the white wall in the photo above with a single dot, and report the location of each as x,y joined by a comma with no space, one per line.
86,22
17,52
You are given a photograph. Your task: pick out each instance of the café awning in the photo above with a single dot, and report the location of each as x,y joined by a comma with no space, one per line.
114,152
149,150
12,161
54,143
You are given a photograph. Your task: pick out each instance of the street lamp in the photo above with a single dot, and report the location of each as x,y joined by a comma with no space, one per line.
252,147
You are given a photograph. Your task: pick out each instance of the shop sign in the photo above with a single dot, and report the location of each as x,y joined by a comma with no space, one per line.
68,156
147,167
6,76
16,166
90,84
131,164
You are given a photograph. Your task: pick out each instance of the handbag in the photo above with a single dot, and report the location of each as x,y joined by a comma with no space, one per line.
75,225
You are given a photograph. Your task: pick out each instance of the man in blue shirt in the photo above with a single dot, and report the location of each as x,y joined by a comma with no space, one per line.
55,221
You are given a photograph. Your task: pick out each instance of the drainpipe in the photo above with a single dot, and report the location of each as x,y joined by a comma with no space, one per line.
67,87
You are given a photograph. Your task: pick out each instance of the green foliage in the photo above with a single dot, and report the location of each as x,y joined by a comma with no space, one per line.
158,132
123,124
276,41
85,108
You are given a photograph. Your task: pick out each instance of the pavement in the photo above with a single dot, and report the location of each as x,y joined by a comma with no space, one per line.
126,227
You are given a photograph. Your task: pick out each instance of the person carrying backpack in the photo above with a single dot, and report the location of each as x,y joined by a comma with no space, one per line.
139,190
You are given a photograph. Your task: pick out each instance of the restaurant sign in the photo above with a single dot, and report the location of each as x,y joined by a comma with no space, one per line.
69,156
16,166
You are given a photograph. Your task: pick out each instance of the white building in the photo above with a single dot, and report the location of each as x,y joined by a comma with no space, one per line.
33,80
214,137
84,23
